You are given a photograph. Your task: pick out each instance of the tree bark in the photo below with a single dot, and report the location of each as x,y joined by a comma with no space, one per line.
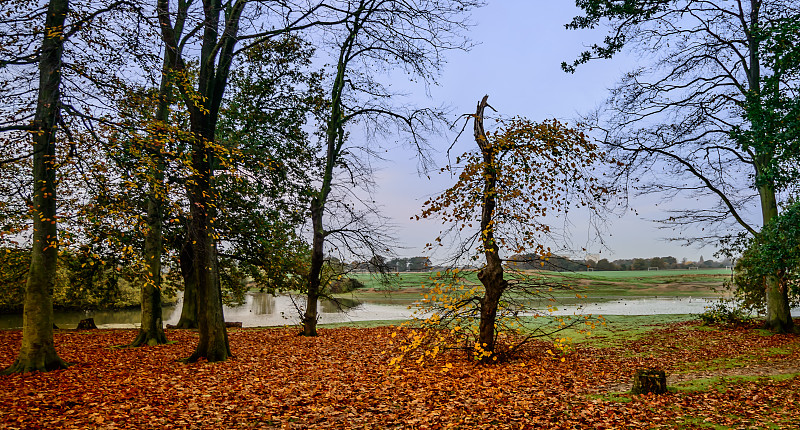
649,381
314,276
37,352
215,59
189,310
491,275
151,330
334,140
779,316
213,343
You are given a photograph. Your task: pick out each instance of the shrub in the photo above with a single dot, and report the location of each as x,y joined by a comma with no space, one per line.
345,285
725,312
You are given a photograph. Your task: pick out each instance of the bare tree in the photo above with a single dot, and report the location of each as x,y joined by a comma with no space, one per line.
679,112
376,35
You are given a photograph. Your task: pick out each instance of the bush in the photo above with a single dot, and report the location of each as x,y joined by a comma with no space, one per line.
725,312
775,252
83,281
14,265
345,285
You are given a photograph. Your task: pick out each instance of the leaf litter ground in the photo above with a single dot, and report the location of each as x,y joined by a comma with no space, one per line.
342,379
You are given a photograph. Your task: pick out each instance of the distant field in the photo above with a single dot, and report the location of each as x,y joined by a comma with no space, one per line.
695,283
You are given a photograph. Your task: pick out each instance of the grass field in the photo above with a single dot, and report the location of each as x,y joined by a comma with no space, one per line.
642,283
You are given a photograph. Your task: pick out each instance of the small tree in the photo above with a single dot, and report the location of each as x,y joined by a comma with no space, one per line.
518,175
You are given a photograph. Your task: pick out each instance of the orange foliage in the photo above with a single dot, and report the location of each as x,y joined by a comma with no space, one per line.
539,168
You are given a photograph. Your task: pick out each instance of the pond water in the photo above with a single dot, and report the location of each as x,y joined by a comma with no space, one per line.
263,309
259,309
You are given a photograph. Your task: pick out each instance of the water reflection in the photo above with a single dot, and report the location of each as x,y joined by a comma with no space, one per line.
263,304
259,309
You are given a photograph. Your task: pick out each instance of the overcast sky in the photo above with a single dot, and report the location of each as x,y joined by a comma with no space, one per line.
517,63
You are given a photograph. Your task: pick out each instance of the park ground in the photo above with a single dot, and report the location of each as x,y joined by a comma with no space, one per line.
738,377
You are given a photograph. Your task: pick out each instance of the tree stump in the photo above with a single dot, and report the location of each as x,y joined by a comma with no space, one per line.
87,324
649,381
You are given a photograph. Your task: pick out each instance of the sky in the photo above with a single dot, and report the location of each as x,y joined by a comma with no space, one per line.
521,44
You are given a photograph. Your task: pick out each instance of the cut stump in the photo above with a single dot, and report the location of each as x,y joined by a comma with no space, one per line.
87,324
649,381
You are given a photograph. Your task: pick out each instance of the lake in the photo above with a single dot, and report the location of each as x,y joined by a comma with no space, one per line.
264,309
259,309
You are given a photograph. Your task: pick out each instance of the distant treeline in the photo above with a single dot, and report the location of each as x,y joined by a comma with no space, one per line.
563,264
555,263
413,264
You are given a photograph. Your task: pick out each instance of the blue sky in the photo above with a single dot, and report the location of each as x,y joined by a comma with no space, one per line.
521,45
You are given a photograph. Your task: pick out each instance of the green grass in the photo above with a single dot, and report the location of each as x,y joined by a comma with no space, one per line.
731,362
721,383
700,422
616,328
612,397
596,285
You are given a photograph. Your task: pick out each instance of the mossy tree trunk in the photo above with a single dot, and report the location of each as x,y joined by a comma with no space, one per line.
779,316
38,350
151,330
213,343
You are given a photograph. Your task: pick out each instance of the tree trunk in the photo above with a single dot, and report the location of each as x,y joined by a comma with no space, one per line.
779,317
334,142
213,343
37,352
189,310
491,275
215,59
151,331
317,260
